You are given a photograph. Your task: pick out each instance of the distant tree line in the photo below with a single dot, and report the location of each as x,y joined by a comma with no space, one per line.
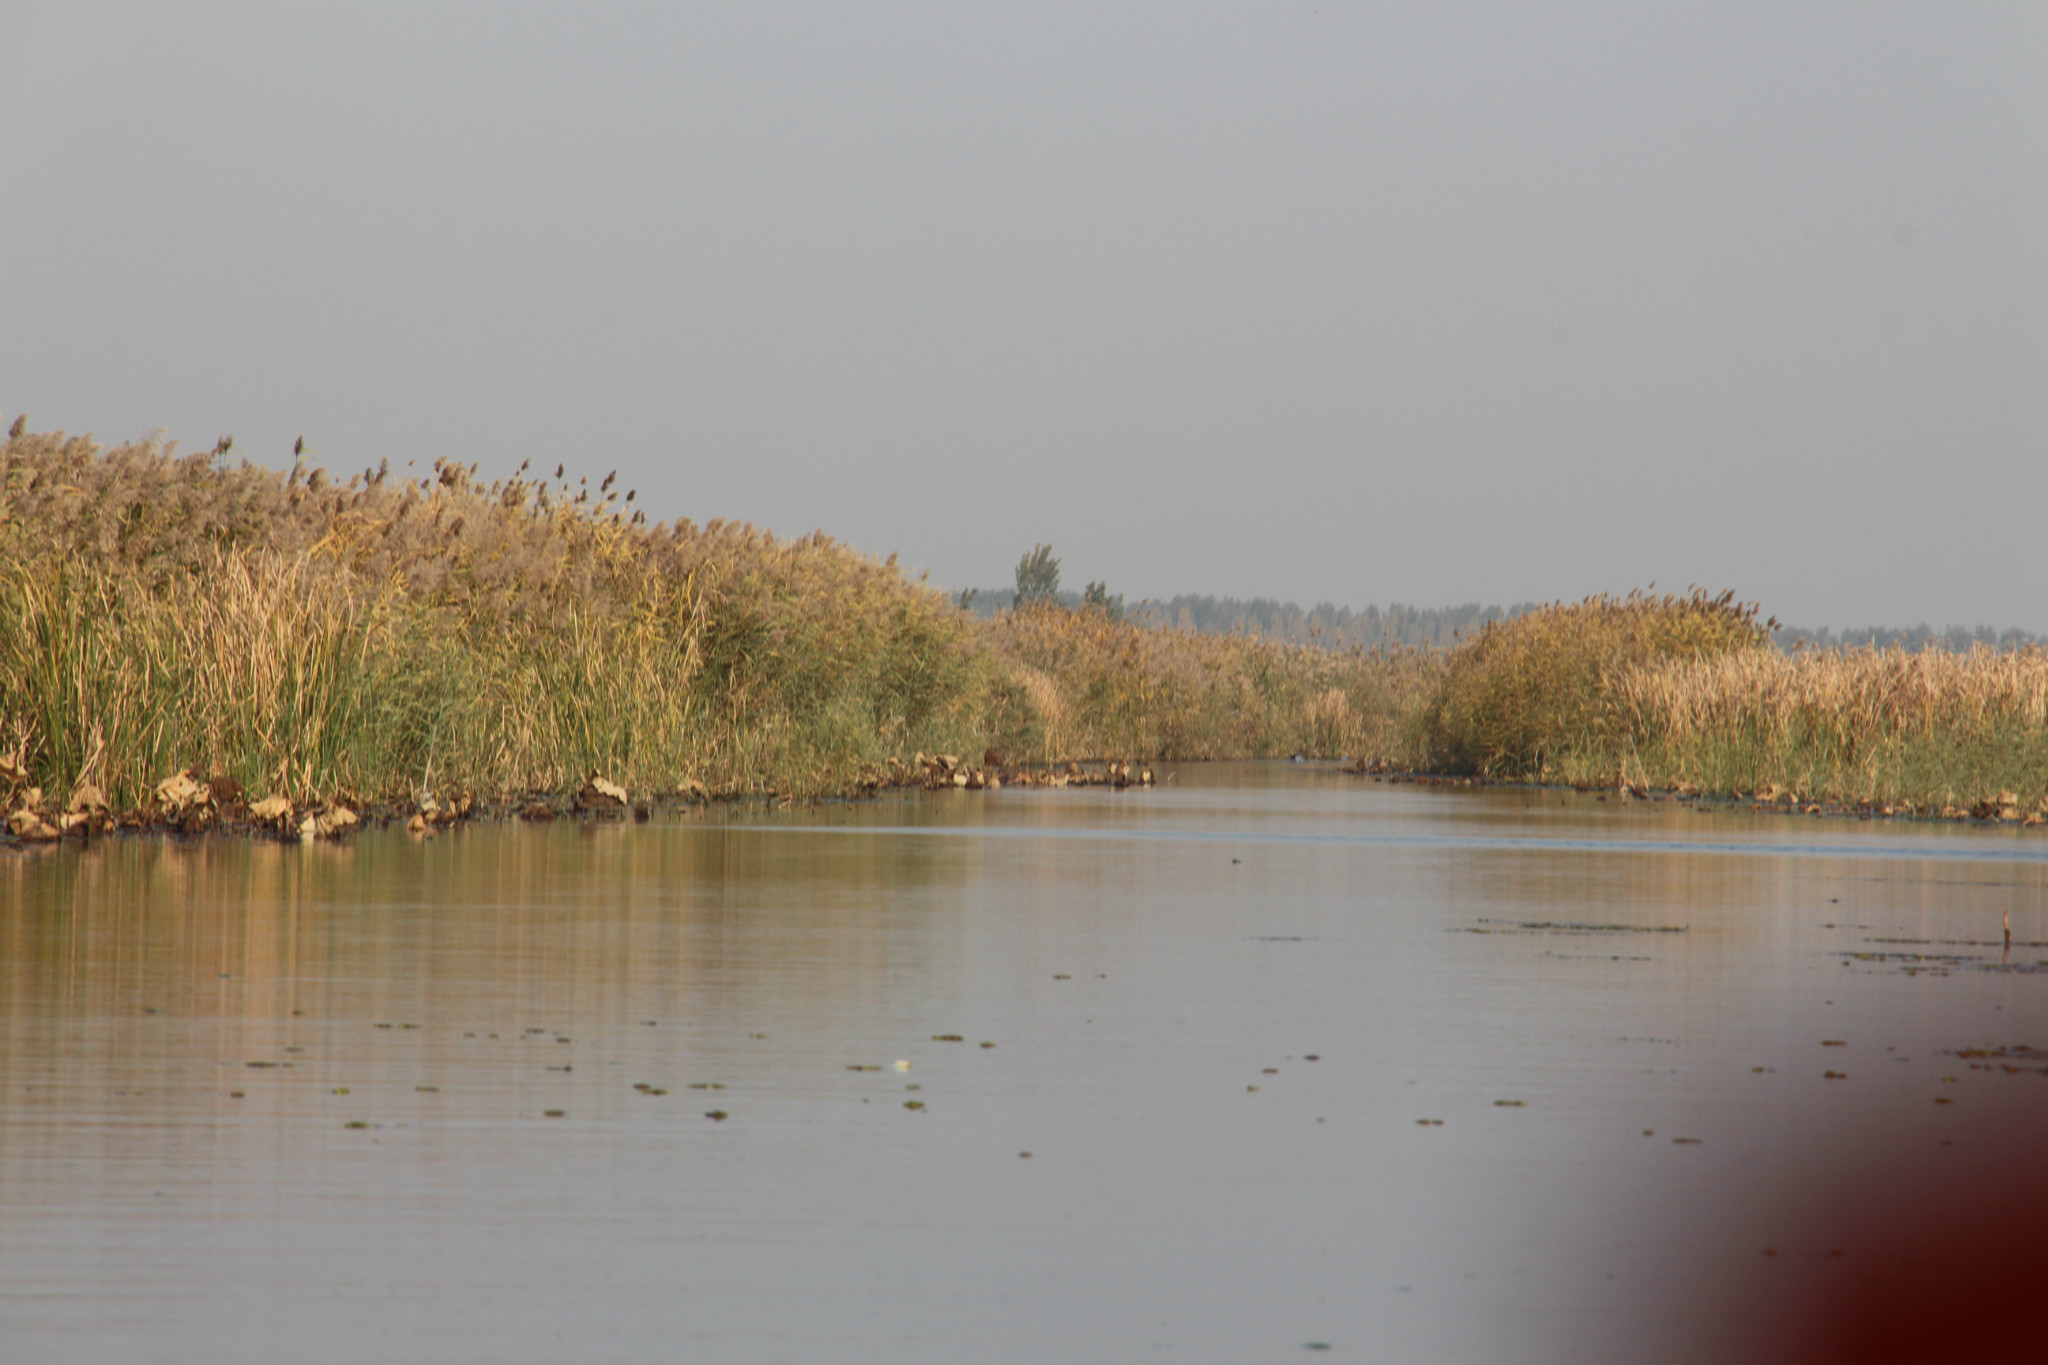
1335,627
1326,624
1912,639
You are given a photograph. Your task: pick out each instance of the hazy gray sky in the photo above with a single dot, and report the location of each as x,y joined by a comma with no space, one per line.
1405,302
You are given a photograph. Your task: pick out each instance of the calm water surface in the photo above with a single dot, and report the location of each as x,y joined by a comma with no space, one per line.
264,1103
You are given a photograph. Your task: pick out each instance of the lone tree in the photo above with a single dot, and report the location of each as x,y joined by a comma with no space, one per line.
1038,576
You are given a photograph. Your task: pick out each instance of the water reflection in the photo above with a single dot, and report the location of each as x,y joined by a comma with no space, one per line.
256,1096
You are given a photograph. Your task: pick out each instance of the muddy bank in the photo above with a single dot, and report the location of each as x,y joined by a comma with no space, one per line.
187,805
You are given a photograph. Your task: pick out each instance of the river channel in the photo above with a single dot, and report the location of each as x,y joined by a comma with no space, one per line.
1270,1062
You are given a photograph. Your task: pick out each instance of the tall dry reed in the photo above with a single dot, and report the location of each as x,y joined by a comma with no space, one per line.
1687,692
267,666
1933,729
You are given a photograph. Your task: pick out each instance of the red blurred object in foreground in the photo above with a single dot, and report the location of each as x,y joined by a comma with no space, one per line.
1940,1260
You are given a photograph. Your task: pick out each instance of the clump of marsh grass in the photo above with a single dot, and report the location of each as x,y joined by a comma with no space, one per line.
1688,693
1536,696
264,666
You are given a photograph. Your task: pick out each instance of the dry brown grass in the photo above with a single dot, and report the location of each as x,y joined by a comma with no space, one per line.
1933,729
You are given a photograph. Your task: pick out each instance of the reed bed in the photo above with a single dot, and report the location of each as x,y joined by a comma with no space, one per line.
1932,731
390,638
1687,693
386,639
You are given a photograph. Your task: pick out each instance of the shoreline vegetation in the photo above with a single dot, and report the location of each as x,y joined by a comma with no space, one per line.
190,643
